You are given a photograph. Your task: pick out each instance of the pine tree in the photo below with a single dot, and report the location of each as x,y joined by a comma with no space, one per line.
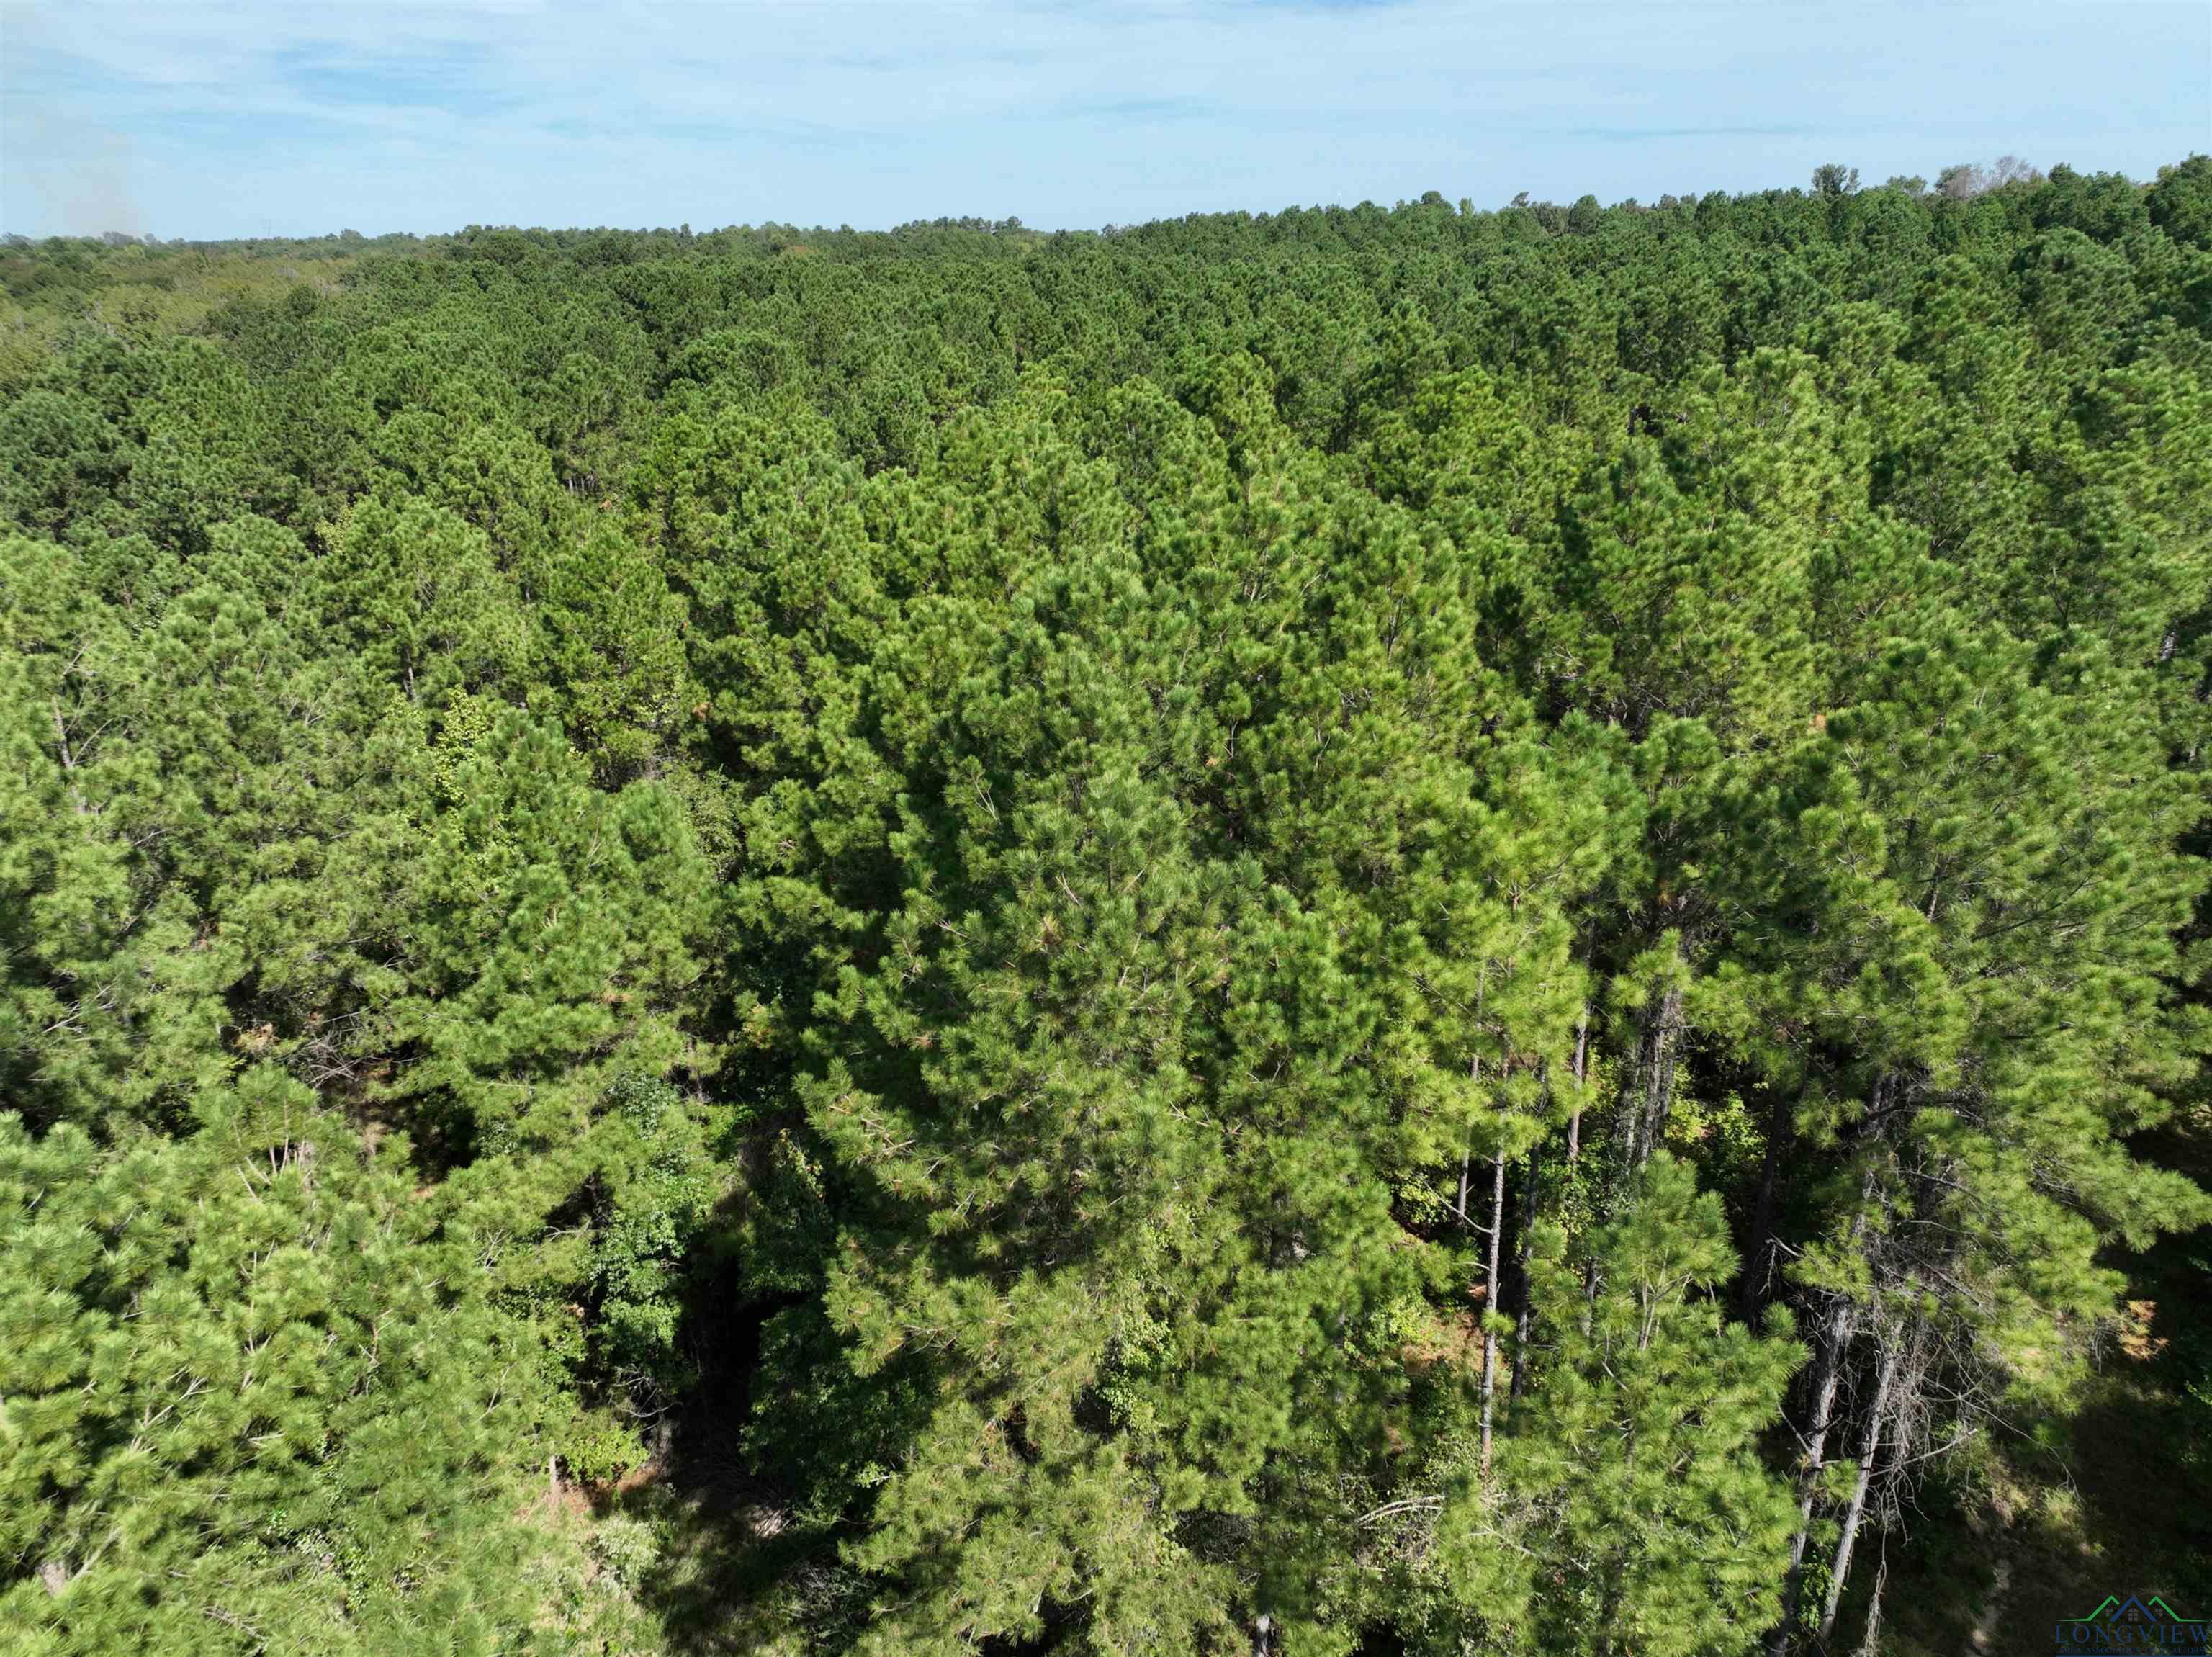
252,1399
1632,1510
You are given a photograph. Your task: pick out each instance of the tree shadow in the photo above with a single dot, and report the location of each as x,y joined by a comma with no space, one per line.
733,1569
2123,1507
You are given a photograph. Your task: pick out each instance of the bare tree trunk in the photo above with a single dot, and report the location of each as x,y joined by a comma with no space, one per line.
1467,1151
1628,1110
1648,1095
1659,1086
1582,1072
1489,1304
1870,1643
1526,1222
1869,1448
1608,1615
1835,1335
1758,1259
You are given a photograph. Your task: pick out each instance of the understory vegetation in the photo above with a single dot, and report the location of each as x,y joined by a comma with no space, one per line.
1360,931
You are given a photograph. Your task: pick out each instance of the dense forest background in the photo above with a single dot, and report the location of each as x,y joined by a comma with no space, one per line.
1359,931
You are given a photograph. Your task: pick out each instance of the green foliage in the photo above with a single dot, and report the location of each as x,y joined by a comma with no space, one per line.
1186,939
251,1397
1632,1510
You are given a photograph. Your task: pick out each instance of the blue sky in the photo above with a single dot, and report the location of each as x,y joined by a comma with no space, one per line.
251,119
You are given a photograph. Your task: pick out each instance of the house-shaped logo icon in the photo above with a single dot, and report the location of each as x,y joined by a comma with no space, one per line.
2138,1623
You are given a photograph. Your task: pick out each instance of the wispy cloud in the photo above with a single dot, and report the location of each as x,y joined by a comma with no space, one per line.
1147,109
448,75
1639,134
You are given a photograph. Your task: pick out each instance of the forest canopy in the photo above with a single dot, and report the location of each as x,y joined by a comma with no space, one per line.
1360,930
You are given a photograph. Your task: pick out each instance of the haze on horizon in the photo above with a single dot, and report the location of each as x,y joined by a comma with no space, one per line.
198,120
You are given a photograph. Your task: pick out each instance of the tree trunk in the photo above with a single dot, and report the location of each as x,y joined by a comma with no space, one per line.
1525,1221
1759,1259
1870,1644
1659,1083
1835,1335
1581,1058
1869,1448
1648,1094
1490,1304
1608,1612
1467,1151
